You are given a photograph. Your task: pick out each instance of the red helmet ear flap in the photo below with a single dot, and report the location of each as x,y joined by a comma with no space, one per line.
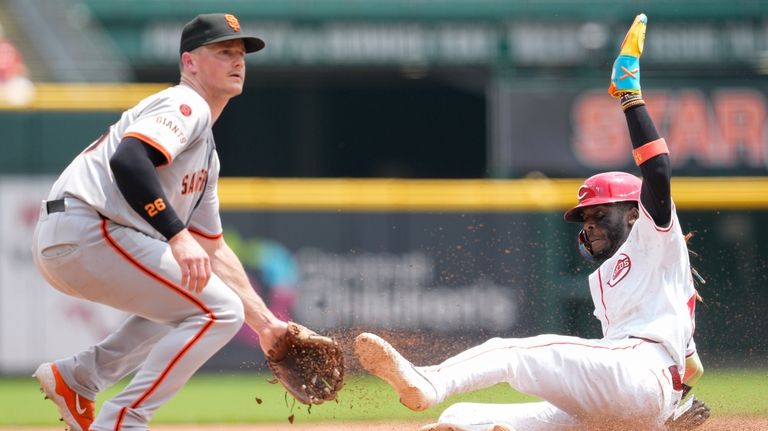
585,248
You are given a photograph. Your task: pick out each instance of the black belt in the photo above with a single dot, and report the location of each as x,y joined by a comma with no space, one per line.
56,206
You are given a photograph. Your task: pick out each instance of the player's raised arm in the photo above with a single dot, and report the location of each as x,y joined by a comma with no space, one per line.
649,148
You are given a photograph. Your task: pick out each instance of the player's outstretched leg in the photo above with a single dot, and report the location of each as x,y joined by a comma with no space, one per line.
454,427
76,411
382,360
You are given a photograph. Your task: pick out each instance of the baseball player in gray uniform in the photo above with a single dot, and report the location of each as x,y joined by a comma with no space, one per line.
133,222
643,291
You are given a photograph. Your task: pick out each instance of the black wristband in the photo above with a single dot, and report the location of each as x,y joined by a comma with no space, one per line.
631,100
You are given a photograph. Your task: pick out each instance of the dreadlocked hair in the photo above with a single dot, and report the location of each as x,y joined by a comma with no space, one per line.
698,279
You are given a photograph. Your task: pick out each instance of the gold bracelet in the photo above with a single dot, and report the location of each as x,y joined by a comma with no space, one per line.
632,104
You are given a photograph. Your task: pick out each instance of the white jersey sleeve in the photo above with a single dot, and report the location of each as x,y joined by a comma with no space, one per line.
690,348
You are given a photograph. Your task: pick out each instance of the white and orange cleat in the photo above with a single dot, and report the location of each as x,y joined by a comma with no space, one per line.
456,427
76,411
382,360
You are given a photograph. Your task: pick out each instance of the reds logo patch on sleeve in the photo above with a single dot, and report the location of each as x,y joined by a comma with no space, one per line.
623,265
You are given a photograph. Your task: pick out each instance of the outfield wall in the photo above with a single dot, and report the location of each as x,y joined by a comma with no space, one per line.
458,258
505,127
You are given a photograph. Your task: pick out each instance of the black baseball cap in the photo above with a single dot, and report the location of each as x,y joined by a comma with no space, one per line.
215,27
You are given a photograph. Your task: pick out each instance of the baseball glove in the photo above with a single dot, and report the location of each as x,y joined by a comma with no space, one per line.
308,365
690,414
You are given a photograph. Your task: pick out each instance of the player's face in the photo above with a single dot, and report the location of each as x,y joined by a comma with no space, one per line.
607,227
221,67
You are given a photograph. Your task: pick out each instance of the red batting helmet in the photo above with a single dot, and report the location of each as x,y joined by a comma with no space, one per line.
605,188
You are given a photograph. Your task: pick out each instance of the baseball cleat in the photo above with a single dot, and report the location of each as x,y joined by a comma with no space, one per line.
76,411
382,360
455,427
625,77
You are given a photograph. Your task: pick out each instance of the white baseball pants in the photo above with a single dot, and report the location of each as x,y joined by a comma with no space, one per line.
585,383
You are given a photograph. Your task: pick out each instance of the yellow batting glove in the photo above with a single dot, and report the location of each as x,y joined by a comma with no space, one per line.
625,77
693,370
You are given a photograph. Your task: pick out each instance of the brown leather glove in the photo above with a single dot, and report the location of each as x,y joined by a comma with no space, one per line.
308,365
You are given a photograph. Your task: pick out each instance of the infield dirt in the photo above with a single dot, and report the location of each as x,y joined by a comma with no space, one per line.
714,424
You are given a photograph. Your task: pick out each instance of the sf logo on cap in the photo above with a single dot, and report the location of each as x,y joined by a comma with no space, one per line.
232,21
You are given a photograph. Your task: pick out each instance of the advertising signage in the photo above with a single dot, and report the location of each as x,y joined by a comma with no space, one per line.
715,131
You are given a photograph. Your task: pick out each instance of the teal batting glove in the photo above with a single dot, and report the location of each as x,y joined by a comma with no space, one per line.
626,69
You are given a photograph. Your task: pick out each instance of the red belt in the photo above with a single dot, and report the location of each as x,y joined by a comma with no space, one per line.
677,383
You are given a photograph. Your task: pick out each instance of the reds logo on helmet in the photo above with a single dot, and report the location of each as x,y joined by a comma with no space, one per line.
623,265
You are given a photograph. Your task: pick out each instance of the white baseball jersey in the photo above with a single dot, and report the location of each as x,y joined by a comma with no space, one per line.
176,122
646,288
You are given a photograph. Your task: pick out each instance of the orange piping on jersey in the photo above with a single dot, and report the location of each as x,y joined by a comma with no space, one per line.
154,144
650,150
660,229
556,343
205,235
602,299
176,288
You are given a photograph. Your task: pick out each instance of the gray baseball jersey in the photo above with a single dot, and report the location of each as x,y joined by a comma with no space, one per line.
99,249
176,122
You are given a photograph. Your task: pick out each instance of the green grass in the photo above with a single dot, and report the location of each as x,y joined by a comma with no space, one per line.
231,398
735,392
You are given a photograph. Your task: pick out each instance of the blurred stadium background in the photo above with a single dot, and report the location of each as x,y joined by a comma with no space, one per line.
404,164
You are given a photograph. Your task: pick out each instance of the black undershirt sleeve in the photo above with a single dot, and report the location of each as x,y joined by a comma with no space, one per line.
656,191
133,165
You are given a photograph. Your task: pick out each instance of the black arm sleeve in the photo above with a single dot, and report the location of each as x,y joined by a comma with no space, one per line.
656,192
133,165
